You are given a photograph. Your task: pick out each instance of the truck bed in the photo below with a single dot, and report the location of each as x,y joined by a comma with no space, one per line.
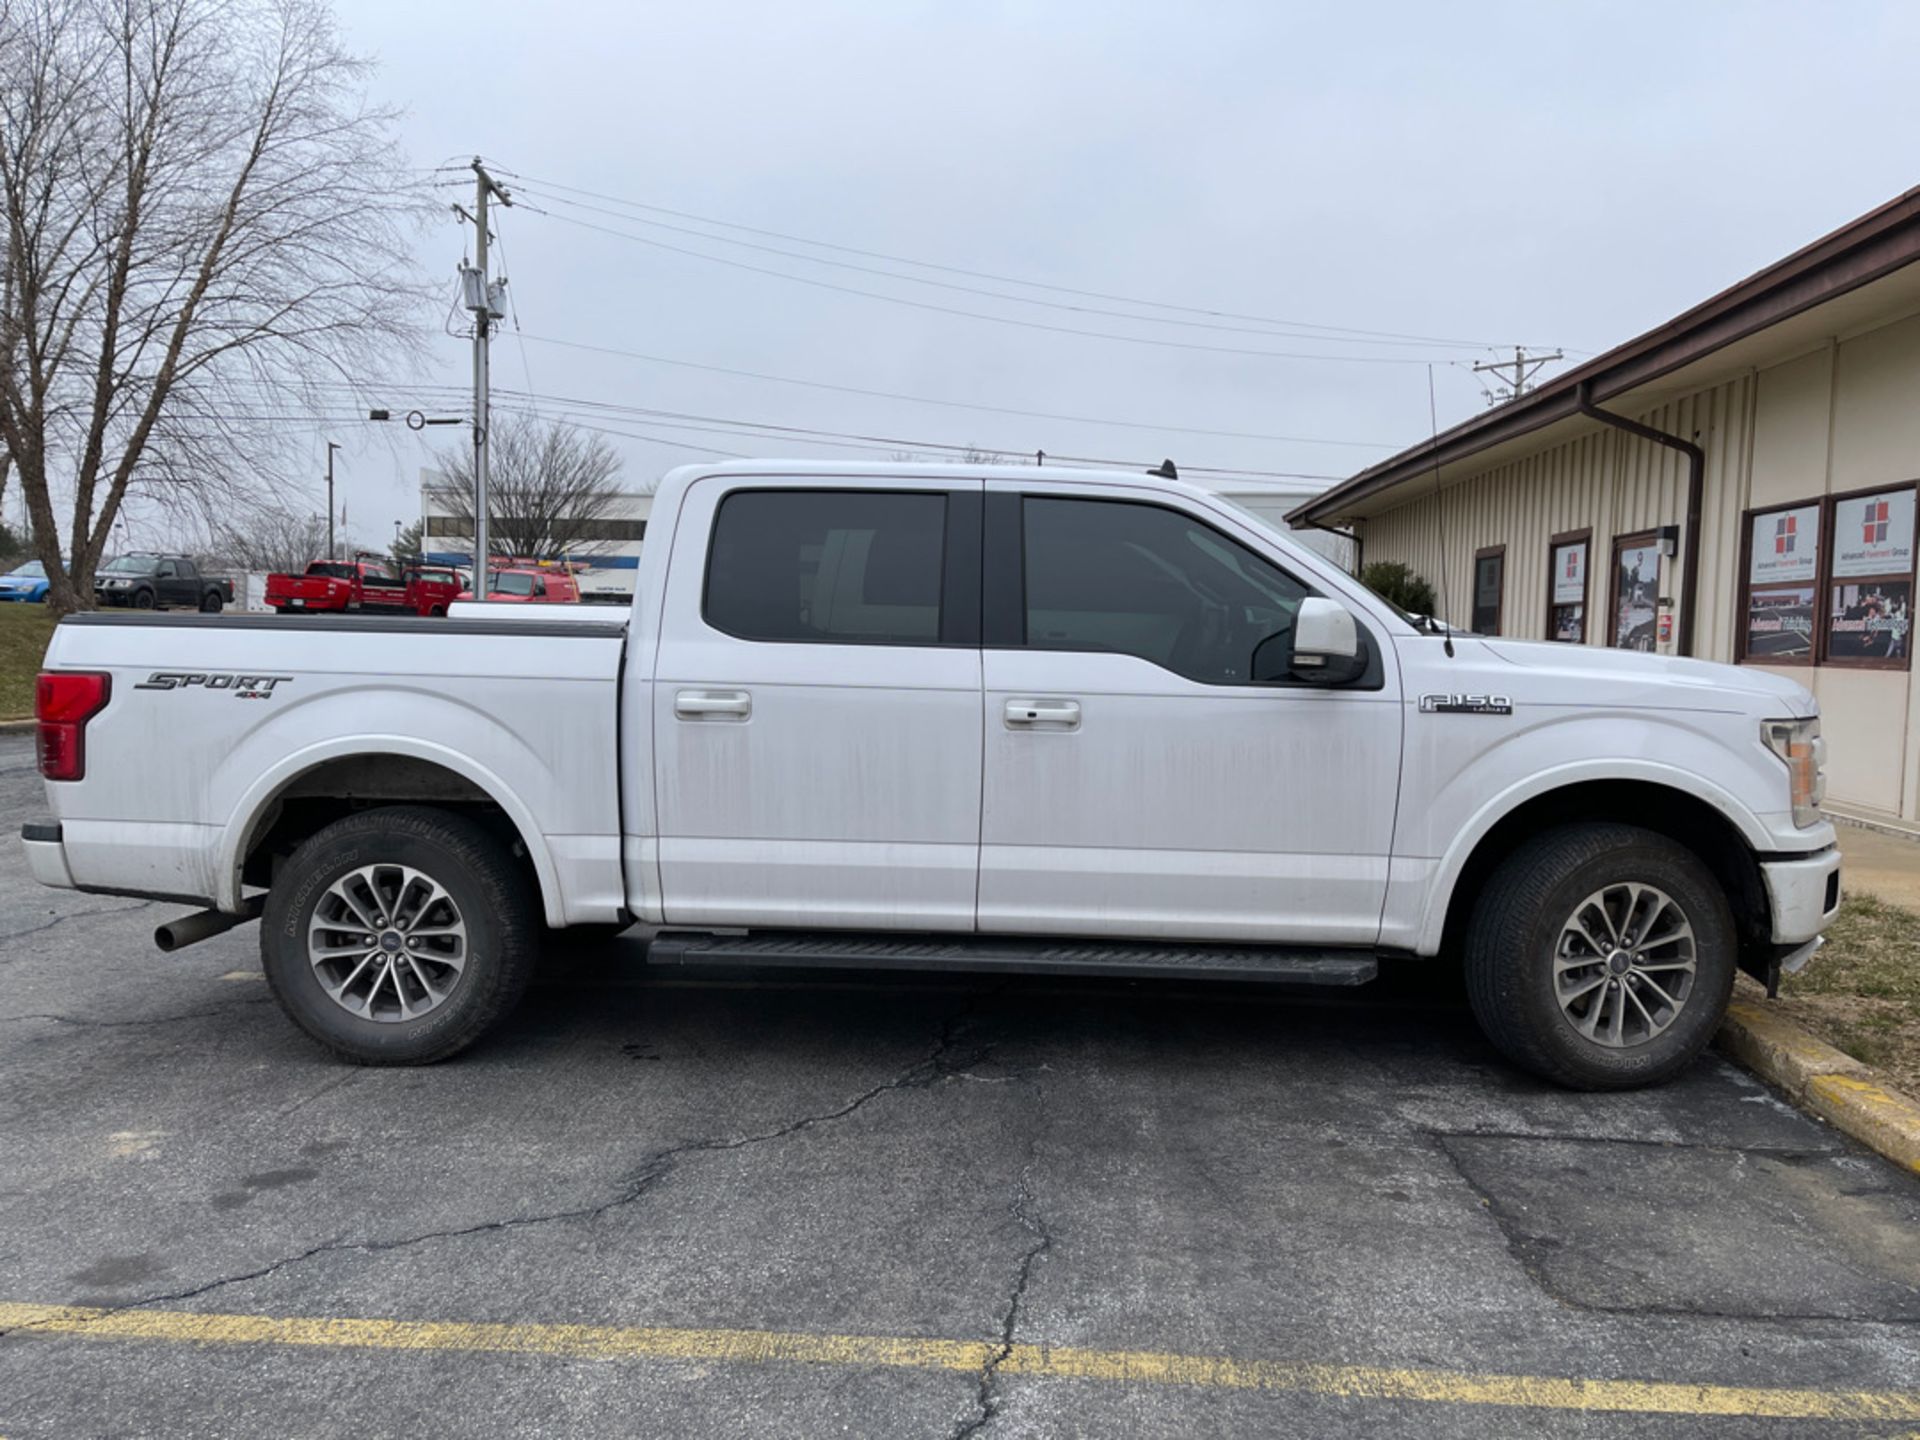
215,720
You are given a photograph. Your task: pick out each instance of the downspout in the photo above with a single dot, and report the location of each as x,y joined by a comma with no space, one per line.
1696,487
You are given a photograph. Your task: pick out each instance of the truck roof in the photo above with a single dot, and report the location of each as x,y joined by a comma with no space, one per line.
681,476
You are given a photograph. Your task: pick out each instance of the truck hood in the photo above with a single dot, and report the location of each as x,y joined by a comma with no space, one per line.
1692,684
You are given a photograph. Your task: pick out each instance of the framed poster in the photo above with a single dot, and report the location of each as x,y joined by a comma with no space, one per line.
1784,545
1778,624
1869,579
1873,534
1636,590
1870,621
1567,560
1780,584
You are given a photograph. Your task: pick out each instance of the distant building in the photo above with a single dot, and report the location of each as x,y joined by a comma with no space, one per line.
1736,484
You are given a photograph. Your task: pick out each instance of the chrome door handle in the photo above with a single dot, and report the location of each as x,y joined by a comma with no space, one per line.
1029,714
694,704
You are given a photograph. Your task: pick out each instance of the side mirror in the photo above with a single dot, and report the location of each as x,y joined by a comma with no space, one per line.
1326,643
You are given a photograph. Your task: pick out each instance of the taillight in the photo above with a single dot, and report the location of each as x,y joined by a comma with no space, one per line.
63,702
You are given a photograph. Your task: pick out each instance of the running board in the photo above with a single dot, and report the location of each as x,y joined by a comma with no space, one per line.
1012,955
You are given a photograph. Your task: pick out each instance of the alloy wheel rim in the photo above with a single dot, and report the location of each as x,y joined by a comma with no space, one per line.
387,943
1624,965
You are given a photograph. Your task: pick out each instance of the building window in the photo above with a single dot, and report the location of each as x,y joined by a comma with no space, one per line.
1636,590
1489,581
1780,578
1869,584
1567,557
834,567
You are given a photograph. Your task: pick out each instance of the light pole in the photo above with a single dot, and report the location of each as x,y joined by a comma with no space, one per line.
331,447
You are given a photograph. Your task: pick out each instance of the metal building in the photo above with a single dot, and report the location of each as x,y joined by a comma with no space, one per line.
1737,484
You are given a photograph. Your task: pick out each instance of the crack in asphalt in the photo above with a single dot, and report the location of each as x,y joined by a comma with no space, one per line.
146,1020
943,1061
987,1396
13,935
1522,1250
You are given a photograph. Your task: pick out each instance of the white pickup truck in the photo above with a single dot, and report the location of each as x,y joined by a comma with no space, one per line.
949,716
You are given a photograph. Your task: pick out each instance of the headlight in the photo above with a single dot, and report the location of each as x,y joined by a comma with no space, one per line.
1804,753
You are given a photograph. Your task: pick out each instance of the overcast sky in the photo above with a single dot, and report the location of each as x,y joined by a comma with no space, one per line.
1546,174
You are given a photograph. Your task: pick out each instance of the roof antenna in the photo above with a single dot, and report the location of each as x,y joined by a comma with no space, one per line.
1439,506
1165,471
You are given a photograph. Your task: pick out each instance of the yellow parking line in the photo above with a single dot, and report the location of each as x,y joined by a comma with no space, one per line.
1137,1367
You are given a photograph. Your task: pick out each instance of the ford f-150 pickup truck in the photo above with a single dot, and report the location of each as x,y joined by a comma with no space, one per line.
949,716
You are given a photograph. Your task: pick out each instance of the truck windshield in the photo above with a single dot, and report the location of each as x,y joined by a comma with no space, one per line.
129,565
511,584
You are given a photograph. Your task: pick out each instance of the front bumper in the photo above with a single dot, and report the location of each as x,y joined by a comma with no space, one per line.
46,854
1803,895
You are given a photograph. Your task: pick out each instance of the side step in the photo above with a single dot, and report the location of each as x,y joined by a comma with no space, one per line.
1012,955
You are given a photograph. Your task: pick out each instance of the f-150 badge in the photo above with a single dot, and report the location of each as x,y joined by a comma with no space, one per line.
1466,704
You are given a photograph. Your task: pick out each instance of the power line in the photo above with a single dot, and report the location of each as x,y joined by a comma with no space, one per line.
1297,334
952,404
1003,279
388,387
976,314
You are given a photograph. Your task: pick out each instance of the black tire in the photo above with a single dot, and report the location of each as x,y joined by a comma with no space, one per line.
494,897
143,599
1516,930
211,603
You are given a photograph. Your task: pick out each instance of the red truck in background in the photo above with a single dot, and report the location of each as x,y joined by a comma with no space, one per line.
363,584
530,586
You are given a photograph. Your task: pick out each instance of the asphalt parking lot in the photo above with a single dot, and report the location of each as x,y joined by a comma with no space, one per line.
897,1207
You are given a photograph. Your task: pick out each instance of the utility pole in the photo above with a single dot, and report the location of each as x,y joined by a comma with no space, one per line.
1515,372
331,447
480,297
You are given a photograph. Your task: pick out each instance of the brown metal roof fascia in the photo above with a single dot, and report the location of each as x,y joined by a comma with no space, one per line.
1875,245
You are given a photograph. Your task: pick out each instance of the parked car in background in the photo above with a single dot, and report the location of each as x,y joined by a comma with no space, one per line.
26,583
147,581
331,586
530,587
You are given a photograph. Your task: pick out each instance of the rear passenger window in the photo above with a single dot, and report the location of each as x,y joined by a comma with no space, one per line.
843,567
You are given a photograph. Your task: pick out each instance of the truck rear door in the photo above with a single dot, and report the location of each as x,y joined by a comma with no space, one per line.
816,699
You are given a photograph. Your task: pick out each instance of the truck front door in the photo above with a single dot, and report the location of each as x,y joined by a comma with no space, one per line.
1138,780
816,705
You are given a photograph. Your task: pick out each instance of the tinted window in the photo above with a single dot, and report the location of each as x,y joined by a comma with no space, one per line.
1147,581
832,566
511,583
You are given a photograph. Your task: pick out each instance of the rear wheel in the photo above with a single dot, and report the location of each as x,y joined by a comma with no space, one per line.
211,602
399,936
1601,957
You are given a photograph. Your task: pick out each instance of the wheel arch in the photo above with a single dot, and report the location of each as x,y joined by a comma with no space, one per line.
345,775
1712,825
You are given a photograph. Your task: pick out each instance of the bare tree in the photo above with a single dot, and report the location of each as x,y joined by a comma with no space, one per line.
202,223
550,488
269,541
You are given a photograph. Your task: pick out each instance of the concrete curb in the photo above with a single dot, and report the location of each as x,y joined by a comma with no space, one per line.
17,727
1819,1078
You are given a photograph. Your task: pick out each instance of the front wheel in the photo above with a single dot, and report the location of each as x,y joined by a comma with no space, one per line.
399,936
1601,956
143,599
